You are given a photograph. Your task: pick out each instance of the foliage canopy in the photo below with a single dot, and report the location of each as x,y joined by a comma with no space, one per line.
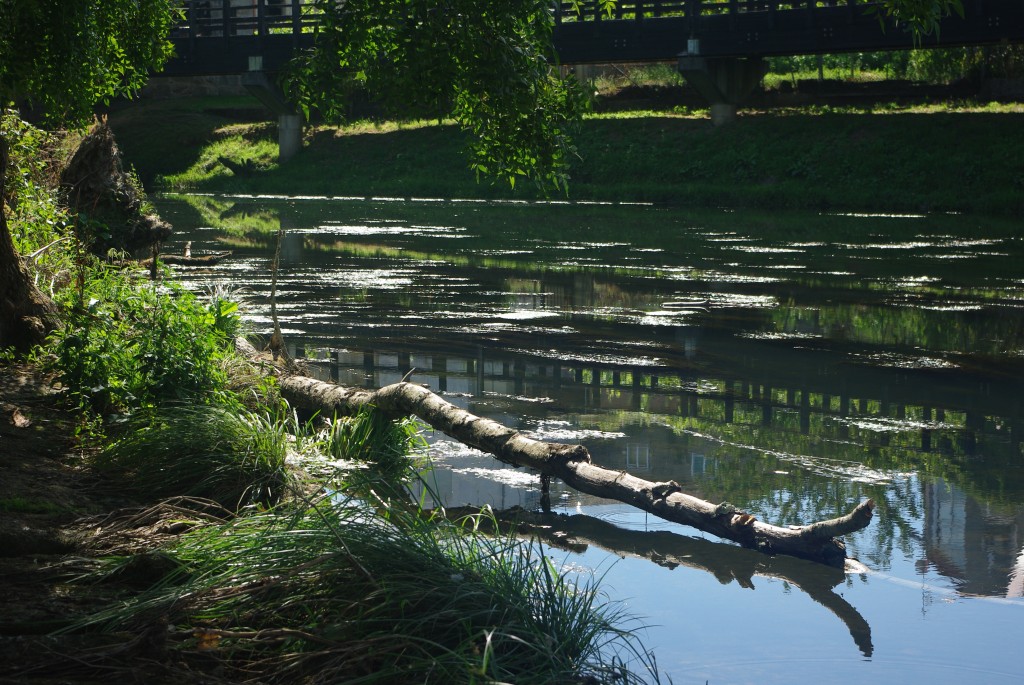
488,65
63,57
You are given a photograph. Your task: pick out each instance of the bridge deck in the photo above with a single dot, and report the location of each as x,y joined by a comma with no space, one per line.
218,36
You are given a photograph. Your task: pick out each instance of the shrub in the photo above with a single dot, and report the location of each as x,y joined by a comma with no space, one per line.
127,344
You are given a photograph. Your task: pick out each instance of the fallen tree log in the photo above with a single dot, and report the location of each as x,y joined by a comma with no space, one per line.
572,464
210,259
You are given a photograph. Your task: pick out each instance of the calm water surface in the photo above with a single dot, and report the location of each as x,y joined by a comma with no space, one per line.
790,364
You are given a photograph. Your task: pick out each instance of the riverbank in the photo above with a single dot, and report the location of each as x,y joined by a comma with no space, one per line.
923,158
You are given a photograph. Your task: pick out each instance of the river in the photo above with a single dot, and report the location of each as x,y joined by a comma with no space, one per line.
791,364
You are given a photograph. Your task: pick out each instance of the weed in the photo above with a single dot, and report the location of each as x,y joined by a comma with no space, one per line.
40,226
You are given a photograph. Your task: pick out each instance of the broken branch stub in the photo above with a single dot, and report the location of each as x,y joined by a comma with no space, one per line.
572,464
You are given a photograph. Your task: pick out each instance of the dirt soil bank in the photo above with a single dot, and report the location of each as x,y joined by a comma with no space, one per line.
51,503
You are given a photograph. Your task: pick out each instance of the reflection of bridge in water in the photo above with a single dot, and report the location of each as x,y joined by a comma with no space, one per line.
978,545
883,400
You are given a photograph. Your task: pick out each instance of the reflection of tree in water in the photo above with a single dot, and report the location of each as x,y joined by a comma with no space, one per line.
725,562
233,218
784,476
916,331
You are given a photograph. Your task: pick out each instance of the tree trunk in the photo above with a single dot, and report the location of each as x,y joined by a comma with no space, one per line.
26,314
572,464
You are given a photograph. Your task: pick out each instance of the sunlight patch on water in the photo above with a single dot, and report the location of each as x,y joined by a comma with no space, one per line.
745,301
511,477
611,360
563,431
769,250
720,238
525,315
379,279
722,277
911,281
780,336
871,215
518,328
952,307
665,317
527,400
445,450
902,361
878,424
910,245
390,230
956,241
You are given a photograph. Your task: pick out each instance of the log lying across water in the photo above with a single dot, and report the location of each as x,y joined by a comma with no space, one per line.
572,464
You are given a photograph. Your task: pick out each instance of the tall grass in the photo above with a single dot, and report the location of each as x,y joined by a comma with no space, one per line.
335,594
225,454
370,437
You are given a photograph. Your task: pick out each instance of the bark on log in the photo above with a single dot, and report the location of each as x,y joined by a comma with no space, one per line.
572,464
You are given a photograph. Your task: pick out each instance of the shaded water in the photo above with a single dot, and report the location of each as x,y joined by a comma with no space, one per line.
790,364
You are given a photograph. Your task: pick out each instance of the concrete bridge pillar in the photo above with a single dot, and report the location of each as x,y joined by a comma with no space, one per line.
724,82
289,123
289,136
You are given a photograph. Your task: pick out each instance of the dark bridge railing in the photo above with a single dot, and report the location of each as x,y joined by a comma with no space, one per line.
226,18
647,30
635,30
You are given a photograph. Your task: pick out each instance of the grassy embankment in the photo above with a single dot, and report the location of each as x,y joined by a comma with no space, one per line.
154,526
889,159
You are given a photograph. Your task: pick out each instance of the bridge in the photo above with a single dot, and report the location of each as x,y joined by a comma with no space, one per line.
719,45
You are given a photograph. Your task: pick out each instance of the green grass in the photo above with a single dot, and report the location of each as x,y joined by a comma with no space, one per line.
228,455
329,594
949,157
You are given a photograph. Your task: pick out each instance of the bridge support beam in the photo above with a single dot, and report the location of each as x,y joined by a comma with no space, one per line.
289,124
724,82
